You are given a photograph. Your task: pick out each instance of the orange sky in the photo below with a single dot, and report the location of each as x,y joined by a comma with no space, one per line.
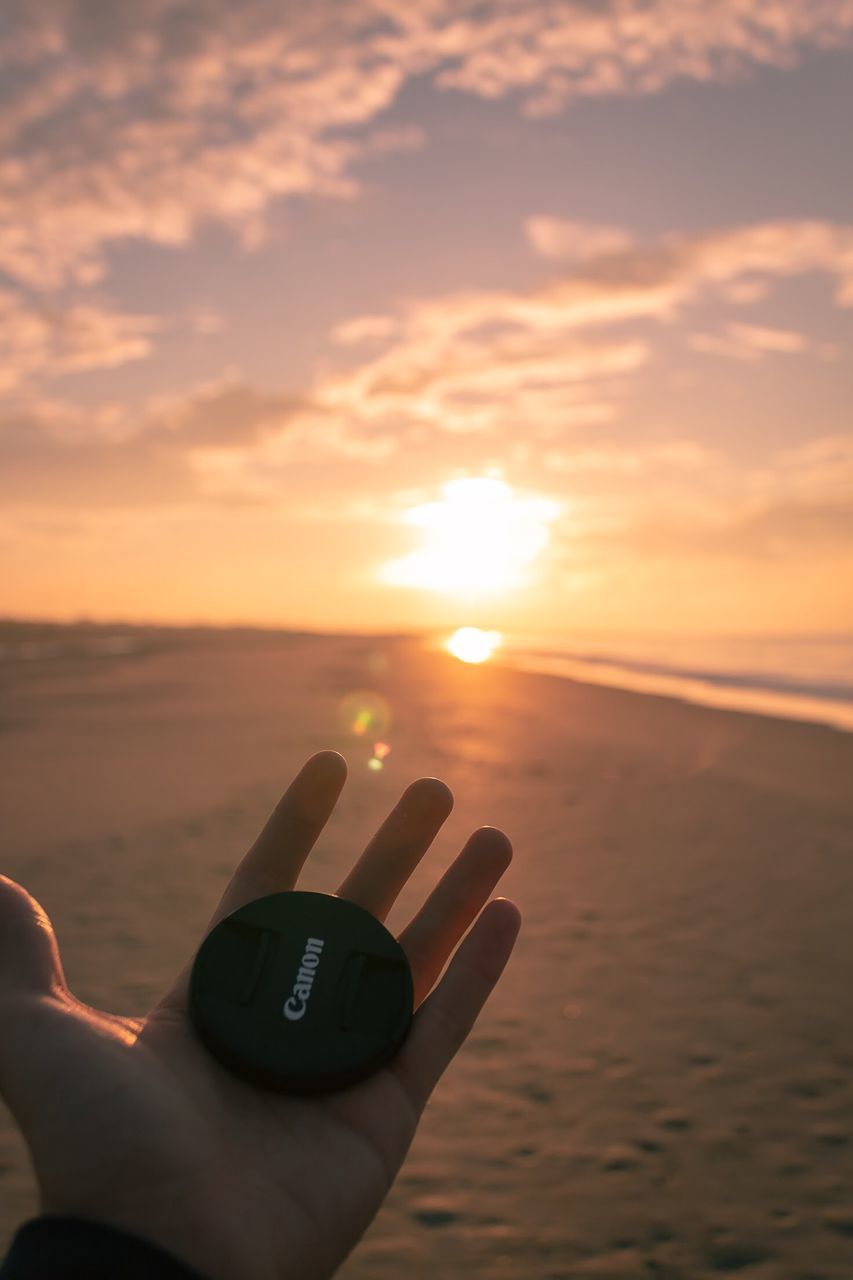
267,287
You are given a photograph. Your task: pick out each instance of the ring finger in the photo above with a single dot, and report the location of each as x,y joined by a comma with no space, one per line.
464,888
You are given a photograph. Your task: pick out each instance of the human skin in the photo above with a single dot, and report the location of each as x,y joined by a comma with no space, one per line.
130,1122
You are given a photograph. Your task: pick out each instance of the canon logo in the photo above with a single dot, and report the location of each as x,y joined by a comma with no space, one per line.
297,1002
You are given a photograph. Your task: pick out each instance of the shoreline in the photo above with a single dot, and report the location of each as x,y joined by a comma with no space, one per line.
793,698
689,689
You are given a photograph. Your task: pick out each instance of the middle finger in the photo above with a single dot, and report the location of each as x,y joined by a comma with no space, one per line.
398,846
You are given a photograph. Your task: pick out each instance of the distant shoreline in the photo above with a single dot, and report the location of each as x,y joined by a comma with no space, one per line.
708,690
810,696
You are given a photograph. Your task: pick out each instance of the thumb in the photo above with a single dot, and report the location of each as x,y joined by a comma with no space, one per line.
29,956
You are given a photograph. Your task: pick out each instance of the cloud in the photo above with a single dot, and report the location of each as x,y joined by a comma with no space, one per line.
818,472
749,342
614,458
553,51
526,361
48,461
645,279
464,345
37,339
512,367
468,382
786,531
363,329
567,240
501,365
52,453
146,121
796,505
176,114
221,414
204,321
761,338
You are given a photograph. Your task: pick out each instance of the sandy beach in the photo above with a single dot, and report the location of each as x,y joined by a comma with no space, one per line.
662,1084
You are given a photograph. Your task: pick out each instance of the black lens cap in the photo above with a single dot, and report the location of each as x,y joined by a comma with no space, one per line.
302,992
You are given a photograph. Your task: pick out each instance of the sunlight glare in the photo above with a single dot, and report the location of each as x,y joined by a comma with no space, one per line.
470,644
480,537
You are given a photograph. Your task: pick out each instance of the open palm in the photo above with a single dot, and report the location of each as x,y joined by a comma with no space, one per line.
131,1122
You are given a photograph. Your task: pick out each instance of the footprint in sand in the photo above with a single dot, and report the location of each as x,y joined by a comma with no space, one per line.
674,1121
432,1211
830,1135
839,1220
617,1158
735,1255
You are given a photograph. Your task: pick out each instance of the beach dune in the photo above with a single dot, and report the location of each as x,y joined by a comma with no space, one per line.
661,1085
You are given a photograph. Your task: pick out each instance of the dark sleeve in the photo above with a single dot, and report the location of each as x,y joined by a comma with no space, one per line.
59,1247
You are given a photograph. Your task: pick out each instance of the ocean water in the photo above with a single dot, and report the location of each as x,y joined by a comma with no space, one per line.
801,677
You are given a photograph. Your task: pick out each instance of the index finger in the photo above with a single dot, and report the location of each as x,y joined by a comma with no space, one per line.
274,861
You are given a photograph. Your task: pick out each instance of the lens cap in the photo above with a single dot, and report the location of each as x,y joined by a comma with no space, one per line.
302,992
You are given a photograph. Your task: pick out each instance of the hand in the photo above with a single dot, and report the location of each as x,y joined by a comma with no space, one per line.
130,1121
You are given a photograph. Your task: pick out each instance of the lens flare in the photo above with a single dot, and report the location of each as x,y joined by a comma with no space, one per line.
365,713
377,760
470,644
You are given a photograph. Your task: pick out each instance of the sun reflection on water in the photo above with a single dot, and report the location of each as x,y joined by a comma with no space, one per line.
470,644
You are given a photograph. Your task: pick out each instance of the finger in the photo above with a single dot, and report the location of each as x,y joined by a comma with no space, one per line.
432,934
274,861
446,1017
398,846
29,955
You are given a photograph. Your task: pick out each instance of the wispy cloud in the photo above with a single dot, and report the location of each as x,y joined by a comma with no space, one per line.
656,277
615,458
570,240
749,342
53,452
505,366
458,380
551,51
504,361
37,338
795,504
145,121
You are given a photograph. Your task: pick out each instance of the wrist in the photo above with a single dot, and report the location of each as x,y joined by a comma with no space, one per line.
67,1245
196,1249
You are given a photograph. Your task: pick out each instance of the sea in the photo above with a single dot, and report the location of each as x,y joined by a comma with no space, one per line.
793,677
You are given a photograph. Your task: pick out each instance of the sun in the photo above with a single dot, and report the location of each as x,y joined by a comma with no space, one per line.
481,537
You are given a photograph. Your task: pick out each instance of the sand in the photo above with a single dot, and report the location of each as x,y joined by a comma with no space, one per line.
661,1086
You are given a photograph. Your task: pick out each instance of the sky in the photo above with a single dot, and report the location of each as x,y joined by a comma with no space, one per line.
389,314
